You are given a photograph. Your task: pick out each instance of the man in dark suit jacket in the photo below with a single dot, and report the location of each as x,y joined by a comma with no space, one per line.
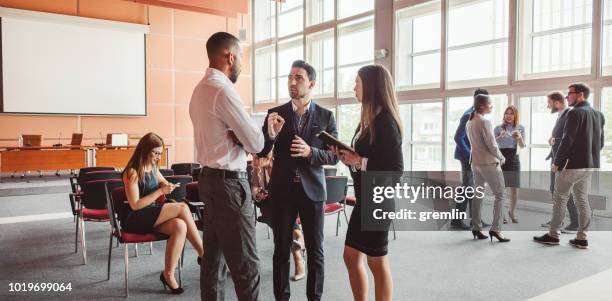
577,157
558,104
297,185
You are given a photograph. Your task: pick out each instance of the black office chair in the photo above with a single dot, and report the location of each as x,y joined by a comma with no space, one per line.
166,172
184,168
330,171
179,193
336,193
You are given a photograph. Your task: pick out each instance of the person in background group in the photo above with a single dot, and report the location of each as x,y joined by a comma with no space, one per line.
510,136
558,104
297,184
486,160
577,157
262,171
223,134
144,184
378,147
462,153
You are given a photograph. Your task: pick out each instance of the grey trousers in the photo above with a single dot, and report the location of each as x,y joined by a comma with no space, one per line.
229,239
571,207
577,181
493,176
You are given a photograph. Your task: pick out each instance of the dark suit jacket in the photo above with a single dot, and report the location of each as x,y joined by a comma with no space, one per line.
310,169
583,138
557,133
385,154
463,148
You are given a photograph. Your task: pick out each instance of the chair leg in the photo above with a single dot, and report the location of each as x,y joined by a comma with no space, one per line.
110,250
136,248
83,242
393,226
76,235
181,261
151,247
337,223
126,262
345,217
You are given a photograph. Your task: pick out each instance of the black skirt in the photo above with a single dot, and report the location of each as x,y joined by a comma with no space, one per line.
511,168
142,221
371,243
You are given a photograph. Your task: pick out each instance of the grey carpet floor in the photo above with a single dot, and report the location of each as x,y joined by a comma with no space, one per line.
446,265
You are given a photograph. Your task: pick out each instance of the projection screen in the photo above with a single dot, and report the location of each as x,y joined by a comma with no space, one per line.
58,64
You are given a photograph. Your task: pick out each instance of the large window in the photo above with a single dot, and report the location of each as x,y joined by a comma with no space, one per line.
538,121
417,63
347,8
336,44
288,52
422,136
320,54
350,56
319,11
455,108
265,20
606,58
555,38
265,68
290,17
477,42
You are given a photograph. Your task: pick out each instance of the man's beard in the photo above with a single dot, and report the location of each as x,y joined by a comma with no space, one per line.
235,72
554,110
295,94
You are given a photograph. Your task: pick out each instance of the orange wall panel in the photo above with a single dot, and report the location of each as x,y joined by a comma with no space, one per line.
197,25
184,128
190,54
185,83
159,86
160,20
183,152
160,121
117,10
68,7
48,126
159,51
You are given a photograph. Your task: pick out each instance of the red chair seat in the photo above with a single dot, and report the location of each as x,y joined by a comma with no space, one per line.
333,208
351,200
128,237
100,214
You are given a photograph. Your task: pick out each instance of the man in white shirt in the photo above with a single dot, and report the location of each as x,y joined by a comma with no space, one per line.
223,133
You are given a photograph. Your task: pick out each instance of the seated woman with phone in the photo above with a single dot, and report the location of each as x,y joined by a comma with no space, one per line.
144,184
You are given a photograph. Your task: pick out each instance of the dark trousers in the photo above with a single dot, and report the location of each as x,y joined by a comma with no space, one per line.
571,206
229,239
284,212
467,179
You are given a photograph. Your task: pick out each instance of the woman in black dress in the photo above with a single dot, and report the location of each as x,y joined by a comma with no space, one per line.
144,184
378,146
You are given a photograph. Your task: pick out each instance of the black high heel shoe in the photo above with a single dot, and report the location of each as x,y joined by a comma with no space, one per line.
499,237
199,260
478,235
175,291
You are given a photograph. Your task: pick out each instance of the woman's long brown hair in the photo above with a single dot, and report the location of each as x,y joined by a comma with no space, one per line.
378,96
141,154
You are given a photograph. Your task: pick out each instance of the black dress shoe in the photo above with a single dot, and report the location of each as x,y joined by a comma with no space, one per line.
478,235
546,239
579,243
459,225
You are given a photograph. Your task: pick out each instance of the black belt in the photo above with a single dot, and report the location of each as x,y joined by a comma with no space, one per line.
222,173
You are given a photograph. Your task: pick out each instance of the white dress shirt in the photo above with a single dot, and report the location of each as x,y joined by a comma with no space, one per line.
215,109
